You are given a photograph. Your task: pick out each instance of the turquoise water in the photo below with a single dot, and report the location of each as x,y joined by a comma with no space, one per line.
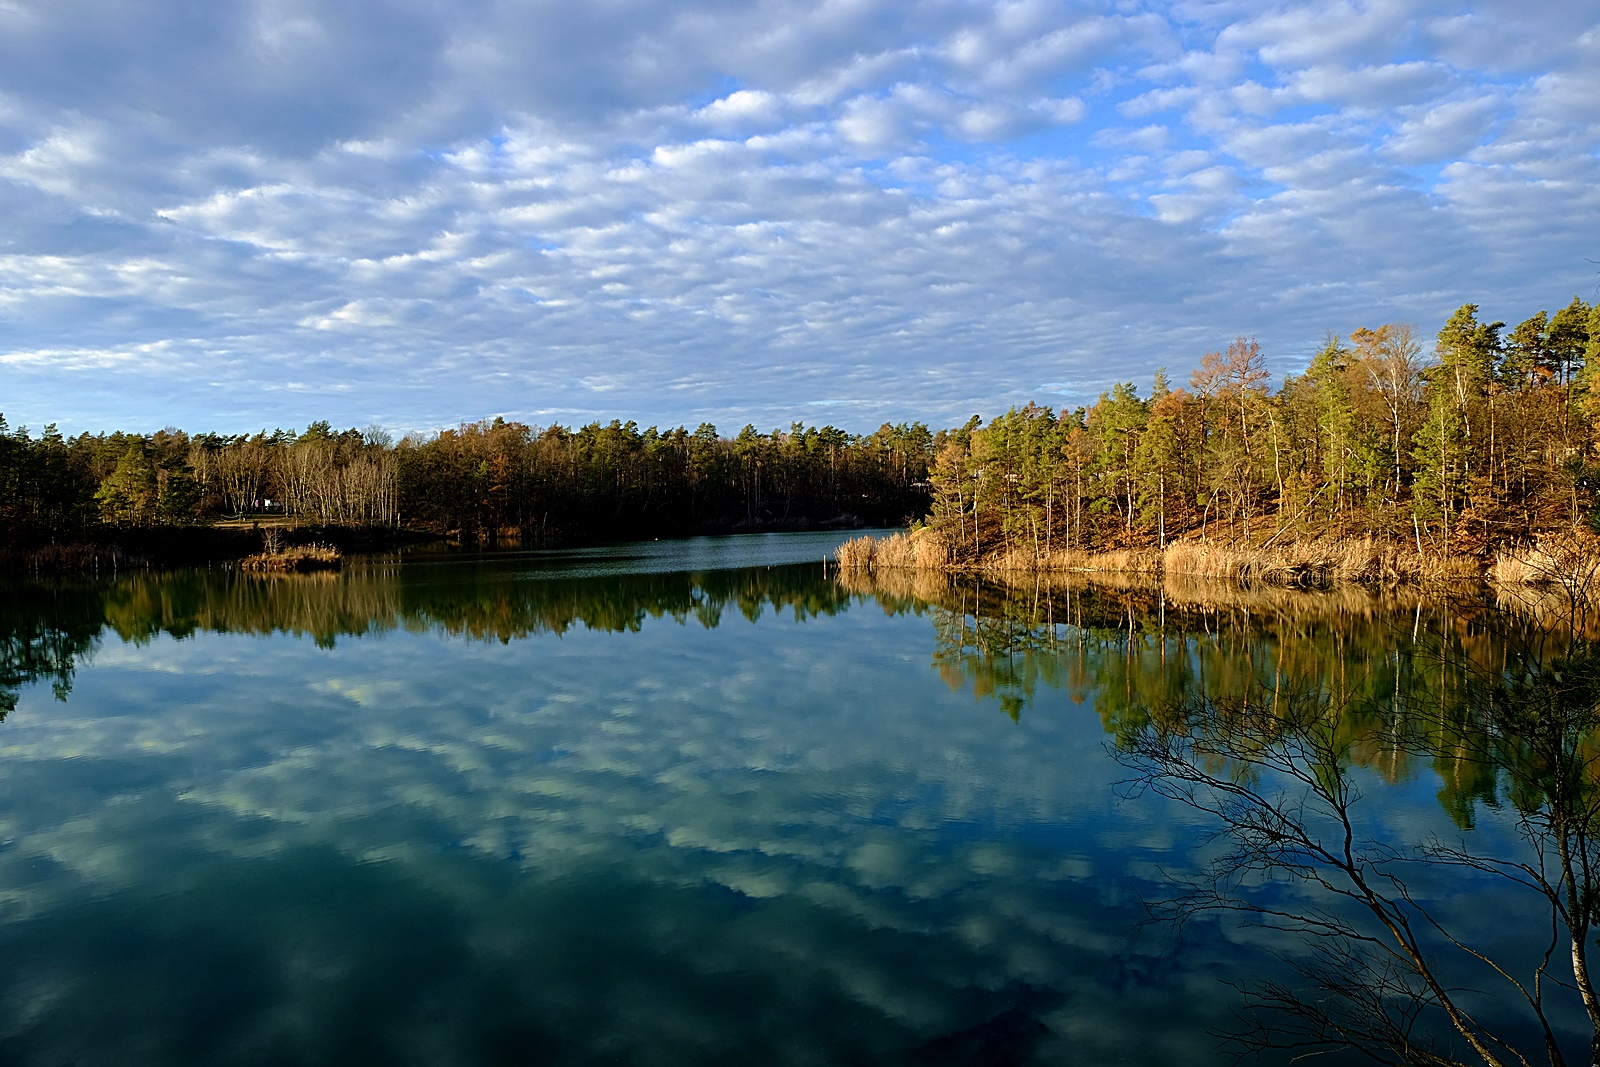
676,803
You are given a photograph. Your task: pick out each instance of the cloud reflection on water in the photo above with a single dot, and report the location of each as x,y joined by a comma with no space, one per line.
635,840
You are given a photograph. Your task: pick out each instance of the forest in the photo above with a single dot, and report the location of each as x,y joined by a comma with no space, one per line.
1487,435
482,482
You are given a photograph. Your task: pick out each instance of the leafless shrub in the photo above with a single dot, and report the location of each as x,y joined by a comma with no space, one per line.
1382,972
297,560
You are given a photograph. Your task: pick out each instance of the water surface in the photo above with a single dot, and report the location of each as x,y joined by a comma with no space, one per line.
676,803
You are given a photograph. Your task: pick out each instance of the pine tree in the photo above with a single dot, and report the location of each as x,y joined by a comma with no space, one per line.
130,493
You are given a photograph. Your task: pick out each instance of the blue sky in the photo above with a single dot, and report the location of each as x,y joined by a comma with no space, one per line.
413,213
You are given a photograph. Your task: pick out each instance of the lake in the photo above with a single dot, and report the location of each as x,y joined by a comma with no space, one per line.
689,802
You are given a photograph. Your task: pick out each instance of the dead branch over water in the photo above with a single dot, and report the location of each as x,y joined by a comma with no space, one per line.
1266,709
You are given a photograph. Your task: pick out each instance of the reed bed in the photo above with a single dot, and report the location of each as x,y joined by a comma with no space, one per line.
1555,582
1516,568
1570,559
1114,561
1312,563
1320,562
300,559
913,550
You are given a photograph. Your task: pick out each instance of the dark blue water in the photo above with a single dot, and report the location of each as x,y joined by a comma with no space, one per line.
679,803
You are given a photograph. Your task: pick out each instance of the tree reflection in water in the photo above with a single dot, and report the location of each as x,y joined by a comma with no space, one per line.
1380,968
1267,711
45,629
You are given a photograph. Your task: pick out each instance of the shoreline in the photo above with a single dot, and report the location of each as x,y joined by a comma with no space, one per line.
168,547
116,549
1568,560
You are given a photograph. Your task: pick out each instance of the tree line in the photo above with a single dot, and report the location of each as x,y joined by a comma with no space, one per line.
1489,435
481,481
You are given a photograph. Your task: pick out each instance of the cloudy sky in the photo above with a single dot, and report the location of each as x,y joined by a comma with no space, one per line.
413,212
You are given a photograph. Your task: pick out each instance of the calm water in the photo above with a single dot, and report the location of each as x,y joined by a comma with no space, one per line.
676,803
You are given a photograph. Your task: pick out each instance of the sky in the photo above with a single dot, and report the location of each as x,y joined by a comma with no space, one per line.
413,213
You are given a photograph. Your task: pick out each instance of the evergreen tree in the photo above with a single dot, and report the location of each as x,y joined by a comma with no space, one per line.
130,494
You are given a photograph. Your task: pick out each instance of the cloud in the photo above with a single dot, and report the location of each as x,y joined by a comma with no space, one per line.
744,108
1389,85
805,208
1447,131
1323,30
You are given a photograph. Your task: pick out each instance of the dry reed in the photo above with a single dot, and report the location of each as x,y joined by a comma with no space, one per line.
1570,559
1555,580
297,560
920,549
1311,563
1320,562
1117,561
1516,568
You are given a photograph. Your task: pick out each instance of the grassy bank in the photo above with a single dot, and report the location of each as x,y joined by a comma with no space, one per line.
1566,561
300,559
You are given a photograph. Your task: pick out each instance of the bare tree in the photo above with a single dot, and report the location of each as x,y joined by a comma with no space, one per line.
238,472
1381,972
1393,361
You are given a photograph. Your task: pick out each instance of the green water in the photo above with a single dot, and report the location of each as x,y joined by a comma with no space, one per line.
676,803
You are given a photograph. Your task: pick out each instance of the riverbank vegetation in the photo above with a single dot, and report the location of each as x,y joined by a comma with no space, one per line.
1557,558
1387,460
300,559
1384,461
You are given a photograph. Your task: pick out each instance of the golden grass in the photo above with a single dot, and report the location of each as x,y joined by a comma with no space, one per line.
1298,563
1323,562
297,560
1307,563
1568,558
913,550
1516,568
1117,561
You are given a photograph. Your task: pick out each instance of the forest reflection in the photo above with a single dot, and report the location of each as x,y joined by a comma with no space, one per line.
46,629
1404,671
1129,649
